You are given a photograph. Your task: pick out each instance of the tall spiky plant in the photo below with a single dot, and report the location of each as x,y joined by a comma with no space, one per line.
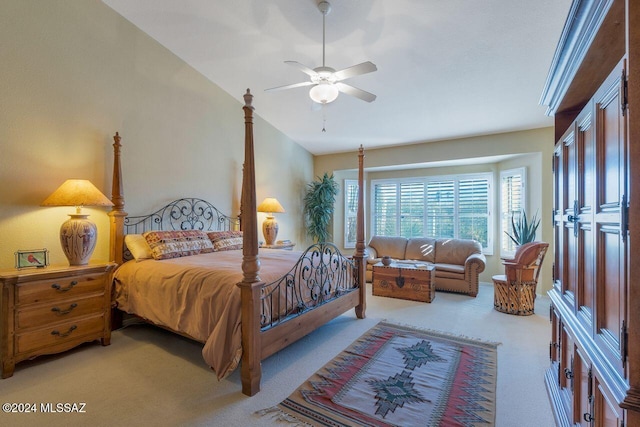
318,207
523,230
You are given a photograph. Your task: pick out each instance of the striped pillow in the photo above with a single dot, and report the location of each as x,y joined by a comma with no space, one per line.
175,244
226,240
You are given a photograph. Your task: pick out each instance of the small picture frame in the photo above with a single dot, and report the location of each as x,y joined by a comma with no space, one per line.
35,258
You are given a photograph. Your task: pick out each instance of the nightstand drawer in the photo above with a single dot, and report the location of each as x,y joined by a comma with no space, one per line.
60,333
57,311
54,289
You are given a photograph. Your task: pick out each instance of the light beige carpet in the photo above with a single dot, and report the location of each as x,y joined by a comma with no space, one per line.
151,377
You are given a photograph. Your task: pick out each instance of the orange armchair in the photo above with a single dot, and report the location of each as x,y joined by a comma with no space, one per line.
515,291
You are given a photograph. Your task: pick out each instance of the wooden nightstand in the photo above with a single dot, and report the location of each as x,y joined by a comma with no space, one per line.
52,310
287,246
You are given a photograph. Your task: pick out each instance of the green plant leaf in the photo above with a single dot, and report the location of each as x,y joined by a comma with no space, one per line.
523,230
319,203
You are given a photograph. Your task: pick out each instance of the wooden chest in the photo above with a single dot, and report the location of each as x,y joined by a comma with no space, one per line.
404,281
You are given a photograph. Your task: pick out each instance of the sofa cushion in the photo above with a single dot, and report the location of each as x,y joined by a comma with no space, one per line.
389,246
455,251
447,274
421,249
452,268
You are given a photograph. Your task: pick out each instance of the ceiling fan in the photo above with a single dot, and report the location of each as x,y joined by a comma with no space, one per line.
327,82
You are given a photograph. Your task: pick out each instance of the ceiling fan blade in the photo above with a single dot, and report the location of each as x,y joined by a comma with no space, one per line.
289,86
356,70
354,91
302,68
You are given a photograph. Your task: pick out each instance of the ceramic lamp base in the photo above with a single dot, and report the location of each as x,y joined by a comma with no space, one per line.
78,238
270,230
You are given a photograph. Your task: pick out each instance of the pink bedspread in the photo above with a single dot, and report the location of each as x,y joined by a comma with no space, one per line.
197,295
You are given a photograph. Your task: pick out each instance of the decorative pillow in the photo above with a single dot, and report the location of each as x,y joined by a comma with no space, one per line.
225,240
138,246
174,244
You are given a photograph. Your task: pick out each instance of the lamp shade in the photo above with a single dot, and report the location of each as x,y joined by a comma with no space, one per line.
323,93
77,192
270,205
78,235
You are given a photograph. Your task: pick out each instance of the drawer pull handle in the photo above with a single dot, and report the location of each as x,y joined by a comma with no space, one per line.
66,334
62,312
60,289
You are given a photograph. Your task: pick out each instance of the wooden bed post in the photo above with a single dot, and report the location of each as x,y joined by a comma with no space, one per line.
360,255
117,213
250,369
116,221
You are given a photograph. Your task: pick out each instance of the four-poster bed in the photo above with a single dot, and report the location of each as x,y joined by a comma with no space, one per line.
277,305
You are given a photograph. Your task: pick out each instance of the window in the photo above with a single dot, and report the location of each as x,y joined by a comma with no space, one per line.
350,212
455,207
385,209
399,209
473,209
441,210
512,202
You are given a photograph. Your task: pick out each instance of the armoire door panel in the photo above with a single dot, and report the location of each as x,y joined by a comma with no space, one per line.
566,372
610,144
559,204
610,246
587,277
586,158
570,261
586,179
606,412
582,389
610,293
571,211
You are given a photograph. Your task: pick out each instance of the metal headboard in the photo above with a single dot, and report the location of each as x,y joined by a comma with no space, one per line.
182,214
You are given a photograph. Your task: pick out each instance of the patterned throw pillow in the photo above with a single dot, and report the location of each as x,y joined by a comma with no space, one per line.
226,240
174,244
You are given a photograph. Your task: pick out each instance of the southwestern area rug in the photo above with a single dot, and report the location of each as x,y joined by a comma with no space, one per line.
399,376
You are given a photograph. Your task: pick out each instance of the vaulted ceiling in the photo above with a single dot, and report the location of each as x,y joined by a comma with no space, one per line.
446,68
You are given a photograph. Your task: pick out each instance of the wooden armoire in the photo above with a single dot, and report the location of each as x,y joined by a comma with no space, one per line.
593,93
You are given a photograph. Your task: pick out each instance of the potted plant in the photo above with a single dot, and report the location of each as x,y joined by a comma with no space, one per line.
318,207
523,230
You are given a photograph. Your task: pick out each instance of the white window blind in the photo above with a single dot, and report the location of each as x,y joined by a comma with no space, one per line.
441,212
411,209
385,209
350,212
473,209
454,207
512,202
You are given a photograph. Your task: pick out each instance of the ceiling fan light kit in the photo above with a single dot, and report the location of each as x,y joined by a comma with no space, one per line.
323,93
326,82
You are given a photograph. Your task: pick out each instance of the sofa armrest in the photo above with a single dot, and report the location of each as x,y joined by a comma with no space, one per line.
475,263
371,253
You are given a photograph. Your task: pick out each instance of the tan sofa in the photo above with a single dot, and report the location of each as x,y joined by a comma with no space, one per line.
457,262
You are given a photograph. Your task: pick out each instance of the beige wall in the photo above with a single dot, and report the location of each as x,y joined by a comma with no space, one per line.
531,149
72,73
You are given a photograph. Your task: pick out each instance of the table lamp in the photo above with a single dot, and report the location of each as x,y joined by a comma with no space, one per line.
270,226
78,235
